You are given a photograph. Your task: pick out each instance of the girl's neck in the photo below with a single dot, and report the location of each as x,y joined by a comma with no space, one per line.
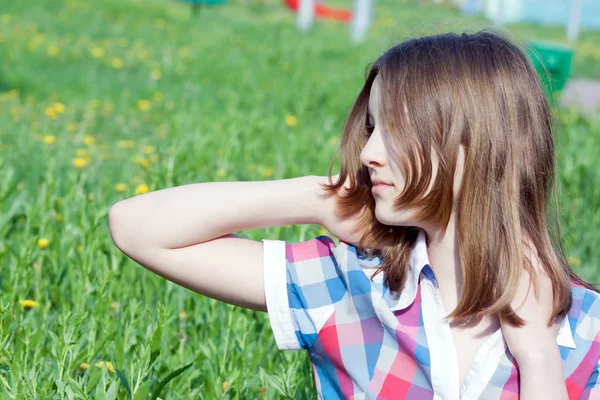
444,256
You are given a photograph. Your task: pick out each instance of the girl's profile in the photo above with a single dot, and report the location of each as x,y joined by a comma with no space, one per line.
448,281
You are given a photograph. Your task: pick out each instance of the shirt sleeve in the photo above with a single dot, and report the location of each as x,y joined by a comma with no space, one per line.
303,281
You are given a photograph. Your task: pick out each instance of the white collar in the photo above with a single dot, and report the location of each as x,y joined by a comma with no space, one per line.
419,259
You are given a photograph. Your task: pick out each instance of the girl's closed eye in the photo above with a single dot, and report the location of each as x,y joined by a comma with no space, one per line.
369,128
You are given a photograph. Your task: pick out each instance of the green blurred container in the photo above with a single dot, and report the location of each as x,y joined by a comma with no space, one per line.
556,59
196,3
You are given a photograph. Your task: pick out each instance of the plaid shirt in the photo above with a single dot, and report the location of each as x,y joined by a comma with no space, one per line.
365,342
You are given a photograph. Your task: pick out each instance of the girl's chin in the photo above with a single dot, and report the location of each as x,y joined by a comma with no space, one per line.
391,218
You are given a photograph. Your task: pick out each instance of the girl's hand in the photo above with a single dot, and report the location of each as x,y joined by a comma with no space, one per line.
535,339
347,230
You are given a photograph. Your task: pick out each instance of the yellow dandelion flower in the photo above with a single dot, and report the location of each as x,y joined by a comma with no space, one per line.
49,139
142,188
388,21
143,105
88,140
59,108
79,249
43,243
29,304
116,63
291,120
97,52
149,149
120,187
95,104
58,218
50,113
79,162
155,74
574,261
140,161
225,385
144,54
268,172
125,144
108,365
53,50
84,366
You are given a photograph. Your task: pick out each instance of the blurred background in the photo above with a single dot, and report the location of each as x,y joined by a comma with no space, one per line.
104,100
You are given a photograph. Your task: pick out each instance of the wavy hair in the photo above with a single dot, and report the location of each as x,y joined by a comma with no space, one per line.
480,91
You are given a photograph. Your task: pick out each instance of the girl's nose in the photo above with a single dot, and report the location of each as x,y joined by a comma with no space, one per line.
373,154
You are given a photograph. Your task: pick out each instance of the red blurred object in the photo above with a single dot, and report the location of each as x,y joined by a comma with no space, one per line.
322,11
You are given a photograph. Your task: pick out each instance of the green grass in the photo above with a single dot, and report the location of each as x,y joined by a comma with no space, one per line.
197,98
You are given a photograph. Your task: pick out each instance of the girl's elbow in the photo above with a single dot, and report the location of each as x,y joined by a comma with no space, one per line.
117,225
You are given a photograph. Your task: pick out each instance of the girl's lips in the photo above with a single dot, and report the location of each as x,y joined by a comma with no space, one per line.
380,187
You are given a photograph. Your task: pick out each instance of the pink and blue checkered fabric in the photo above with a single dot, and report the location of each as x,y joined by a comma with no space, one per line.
364,344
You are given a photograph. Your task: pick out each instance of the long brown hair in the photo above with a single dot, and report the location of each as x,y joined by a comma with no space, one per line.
479,91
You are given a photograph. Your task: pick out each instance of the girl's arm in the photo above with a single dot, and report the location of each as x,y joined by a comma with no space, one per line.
184,233
542,377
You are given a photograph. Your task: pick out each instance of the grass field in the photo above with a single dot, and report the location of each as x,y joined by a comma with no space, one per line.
102,100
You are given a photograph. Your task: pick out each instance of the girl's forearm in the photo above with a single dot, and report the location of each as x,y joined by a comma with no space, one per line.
543,377
190,214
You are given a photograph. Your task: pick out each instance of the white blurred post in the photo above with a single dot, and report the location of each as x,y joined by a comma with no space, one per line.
574,18
361,19
499,21
306,14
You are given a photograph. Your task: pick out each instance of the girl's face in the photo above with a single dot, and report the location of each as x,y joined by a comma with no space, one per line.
386,174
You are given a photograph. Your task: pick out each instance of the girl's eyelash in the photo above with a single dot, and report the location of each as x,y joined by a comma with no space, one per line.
369,129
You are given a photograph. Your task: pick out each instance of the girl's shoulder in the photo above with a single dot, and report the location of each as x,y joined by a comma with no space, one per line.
586,303
584,322
360,258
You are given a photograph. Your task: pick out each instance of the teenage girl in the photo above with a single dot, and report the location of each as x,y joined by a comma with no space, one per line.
446,283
